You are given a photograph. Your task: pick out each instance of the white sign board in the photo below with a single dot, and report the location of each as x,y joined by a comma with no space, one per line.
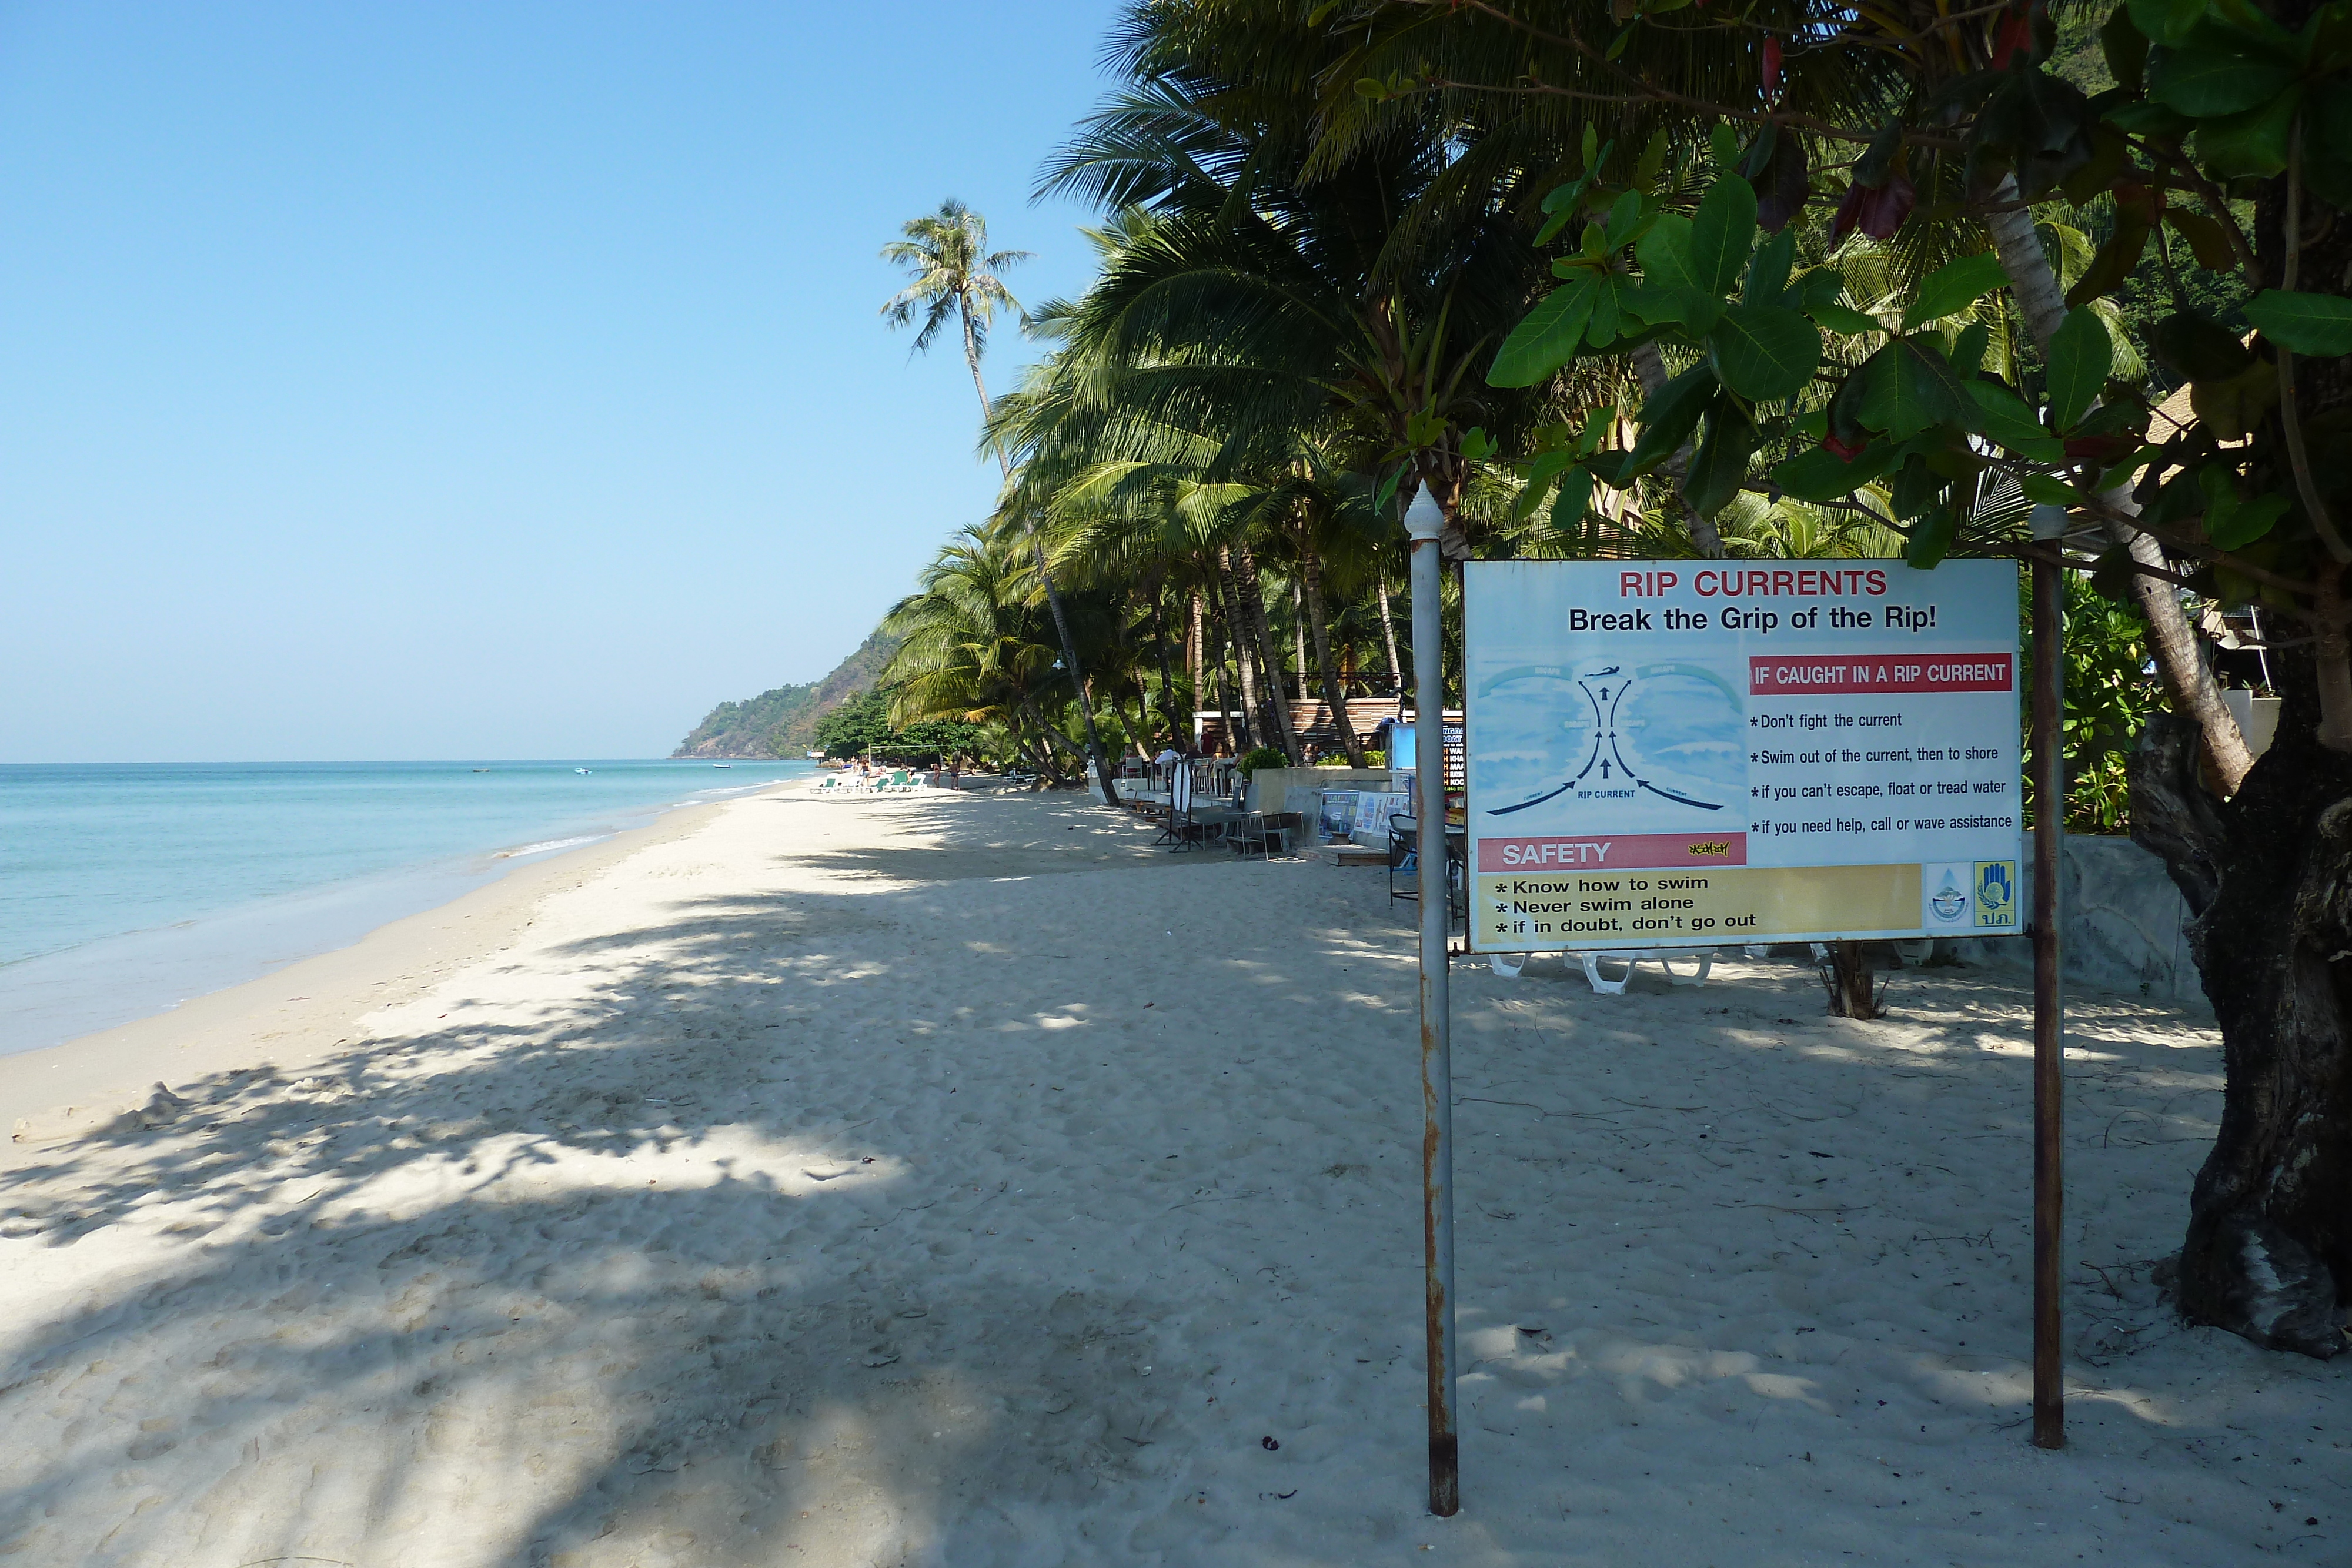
1688,754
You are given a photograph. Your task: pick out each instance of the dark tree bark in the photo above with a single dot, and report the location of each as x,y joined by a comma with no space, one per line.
2268,877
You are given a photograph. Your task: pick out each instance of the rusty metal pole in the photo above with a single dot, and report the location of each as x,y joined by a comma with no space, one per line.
1423,521
2049,1002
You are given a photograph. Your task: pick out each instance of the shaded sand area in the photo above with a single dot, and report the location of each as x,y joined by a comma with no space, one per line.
948,1181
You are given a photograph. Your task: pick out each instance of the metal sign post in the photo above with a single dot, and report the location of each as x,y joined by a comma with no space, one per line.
2048,998
1423,522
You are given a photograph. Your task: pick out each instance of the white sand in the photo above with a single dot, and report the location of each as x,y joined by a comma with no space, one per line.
956,1181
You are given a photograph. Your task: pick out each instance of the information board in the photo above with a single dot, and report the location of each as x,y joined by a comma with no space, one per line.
1689,753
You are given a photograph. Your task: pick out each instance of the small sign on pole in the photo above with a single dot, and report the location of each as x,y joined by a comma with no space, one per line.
1687,754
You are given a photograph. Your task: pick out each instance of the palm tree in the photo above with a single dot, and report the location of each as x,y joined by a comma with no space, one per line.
955,280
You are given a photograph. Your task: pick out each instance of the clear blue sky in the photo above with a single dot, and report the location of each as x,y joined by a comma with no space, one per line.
484,380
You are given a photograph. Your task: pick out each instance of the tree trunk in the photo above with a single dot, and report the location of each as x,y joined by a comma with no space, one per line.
1275,720
1298,635
1053,594
1387,634
1244,666
1192,646
2268,875
2174,643
1854,992
1311,601
1234,713
1167,680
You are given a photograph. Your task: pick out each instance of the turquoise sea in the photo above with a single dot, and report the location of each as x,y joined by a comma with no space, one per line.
127,888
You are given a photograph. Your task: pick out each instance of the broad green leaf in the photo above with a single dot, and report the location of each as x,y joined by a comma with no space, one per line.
2081,354
1821,475
1969,351
1907,386
2050,492
1931,540
1669,414
2007,419
1723,231
1768,273
2252,143
2111,268
1723,145
1568,507
1608,289
2126,48
1763,352
1844,318
2247,521
1623,214
2153,119
1388,490
1546,340
2213,74
2233,407
2319,325
1653,159
1540,474
2166,21
2206,239
2197,348
1721,465
1664,253
1915,488
1954,286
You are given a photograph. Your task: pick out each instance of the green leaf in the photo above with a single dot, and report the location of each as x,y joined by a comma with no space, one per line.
1546,340
1723,231
1820,474
2206,238
1623,214
1969,352
1955,287
2166,21
1575,496
2126,48
1764,351
1915,488
2195,347
1907,386
2007,419
1664,253
2247,522
2049,491
2233,407
2111,268
1931,541
2319,325
1844,318
2081,354
1540,474
2213,74
2152,120
1477,445
1720,466
1387,492
1668,416
2253,142
1768,273
1653,159
1723,145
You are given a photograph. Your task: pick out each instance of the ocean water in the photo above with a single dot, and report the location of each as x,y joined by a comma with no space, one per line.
127,888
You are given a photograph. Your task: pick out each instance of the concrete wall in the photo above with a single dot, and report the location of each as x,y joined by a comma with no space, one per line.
2123,920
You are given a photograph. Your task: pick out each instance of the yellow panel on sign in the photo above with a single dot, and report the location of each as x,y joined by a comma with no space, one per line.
1679,907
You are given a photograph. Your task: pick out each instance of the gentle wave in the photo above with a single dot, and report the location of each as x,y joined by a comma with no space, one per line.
550,845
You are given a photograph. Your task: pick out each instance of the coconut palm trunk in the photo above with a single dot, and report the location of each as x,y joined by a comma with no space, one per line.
1247,713
1275,718
1388,635
1311,601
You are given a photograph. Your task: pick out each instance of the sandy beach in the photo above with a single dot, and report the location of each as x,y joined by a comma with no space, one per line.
956,1180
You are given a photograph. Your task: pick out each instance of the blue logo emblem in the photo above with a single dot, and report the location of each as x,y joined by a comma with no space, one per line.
1996,893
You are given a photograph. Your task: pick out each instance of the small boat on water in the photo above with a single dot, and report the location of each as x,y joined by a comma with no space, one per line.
722,765
580,770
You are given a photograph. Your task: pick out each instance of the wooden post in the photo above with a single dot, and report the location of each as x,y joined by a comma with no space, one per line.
1423,521
2049,1004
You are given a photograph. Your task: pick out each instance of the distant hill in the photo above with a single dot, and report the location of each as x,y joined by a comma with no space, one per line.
781,722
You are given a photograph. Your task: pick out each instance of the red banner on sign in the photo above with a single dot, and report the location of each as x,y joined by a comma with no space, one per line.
1785,675
1638,852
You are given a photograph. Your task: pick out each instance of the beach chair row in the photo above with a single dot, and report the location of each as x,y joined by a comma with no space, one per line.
898,781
